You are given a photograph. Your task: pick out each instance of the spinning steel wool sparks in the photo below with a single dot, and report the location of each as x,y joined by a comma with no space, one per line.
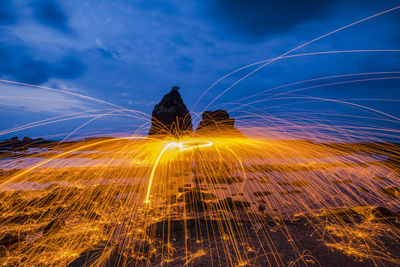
229,200
268,191
188,145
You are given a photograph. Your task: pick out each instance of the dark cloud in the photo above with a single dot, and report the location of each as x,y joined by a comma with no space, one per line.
50,13
20,65
68,68
18,61
259,18
7,12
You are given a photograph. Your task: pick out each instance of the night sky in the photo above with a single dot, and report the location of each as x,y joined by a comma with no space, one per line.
130,53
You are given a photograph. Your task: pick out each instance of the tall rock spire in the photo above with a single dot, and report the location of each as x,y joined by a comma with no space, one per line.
170,116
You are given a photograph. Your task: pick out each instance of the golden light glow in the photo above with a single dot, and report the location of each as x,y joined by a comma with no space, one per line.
183,146
268,197
218,198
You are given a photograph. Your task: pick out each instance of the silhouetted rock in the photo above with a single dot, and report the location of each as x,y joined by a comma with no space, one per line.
217,121
54,226
10,239
385,215
170,116
95,257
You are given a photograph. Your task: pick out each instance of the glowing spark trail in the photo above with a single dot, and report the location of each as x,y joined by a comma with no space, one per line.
188,145
293,189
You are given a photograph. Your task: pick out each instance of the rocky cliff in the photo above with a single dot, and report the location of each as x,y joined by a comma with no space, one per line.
217,122
170,116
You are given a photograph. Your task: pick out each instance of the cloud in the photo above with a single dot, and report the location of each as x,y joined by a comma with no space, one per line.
259,18
68,68
103,50
39,100
20,65
7,12
19,58
50,13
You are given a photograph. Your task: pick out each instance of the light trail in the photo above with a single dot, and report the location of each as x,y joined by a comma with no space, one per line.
171,144
183,146
298,47
288,56
238,101
279,96
214,176
274,199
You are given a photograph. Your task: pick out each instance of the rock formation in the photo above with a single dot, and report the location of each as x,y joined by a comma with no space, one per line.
217,121
170,116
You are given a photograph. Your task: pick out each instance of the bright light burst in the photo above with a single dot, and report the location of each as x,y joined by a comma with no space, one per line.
183,146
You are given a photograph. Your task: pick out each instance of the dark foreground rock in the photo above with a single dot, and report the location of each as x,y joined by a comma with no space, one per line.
10,239
200,227
314,240
96,257
54,226
22,144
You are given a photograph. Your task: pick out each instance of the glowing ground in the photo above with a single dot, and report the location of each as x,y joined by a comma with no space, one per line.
212,201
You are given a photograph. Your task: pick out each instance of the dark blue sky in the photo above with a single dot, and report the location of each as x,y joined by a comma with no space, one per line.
130,53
